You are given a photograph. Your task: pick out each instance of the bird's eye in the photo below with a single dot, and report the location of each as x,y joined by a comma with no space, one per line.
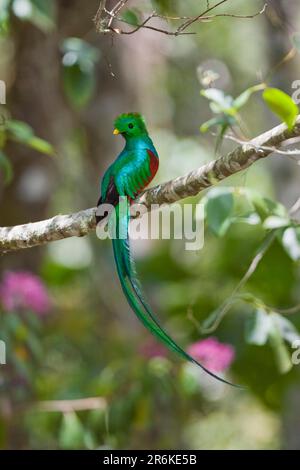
130,126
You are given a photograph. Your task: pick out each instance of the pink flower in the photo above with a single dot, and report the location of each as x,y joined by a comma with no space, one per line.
23,290
212,354
151,348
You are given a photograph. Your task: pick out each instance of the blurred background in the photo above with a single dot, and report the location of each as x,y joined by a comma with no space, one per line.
81,371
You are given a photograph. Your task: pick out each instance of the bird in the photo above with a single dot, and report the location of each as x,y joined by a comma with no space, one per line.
125,179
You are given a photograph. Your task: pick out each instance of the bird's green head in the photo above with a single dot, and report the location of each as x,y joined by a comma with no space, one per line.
130,125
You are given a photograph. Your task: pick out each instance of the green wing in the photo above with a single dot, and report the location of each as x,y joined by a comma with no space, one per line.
131,172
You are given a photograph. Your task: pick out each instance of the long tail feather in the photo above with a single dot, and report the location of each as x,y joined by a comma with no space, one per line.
133,292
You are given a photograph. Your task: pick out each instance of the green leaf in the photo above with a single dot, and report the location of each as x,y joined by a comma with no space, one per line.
281,352
286,328
79,52
259,203
43,14
6,168
20,130
290,240
274,221
4,15
163,7
243,98
282,105
4,6
78,85
258,327
220,102
23,133
71,434
275,328
38,12
216,121
264,206
79,62
219,204
41,145
132,16
248,219
22,9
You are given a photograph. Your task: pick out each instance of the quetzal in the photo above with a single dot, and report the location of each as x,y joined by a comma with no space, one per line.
130,173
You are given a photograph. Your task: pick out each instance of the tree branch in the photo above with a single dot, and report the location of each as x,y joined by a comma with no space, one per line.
83,222
69,406
105,18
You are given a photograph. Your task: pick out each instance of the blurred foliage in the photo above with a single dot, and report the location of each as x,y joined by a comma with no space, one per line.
132,16
282,105
22,133
38,12
89,344
227,108
79,59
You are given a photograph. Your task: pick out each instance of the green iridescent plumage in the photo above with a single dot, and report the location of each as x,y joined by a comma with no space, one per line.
126,177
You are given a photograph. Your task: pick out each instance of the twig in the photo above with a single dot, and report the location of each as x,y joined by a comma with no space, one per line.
68,406
116,9
288,311
98,19
263,147
104,19
190,21
295,207
232,15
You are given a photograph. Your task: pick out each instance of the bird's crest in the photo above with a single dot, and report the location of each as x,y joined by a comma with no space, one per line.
130,124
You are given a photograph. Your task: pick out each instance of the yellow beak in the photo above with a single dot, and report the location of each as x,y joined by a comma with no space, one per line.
116,132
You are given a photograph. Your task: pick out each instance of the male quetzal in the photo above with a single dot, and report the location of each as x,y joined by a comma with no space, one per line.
130,173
